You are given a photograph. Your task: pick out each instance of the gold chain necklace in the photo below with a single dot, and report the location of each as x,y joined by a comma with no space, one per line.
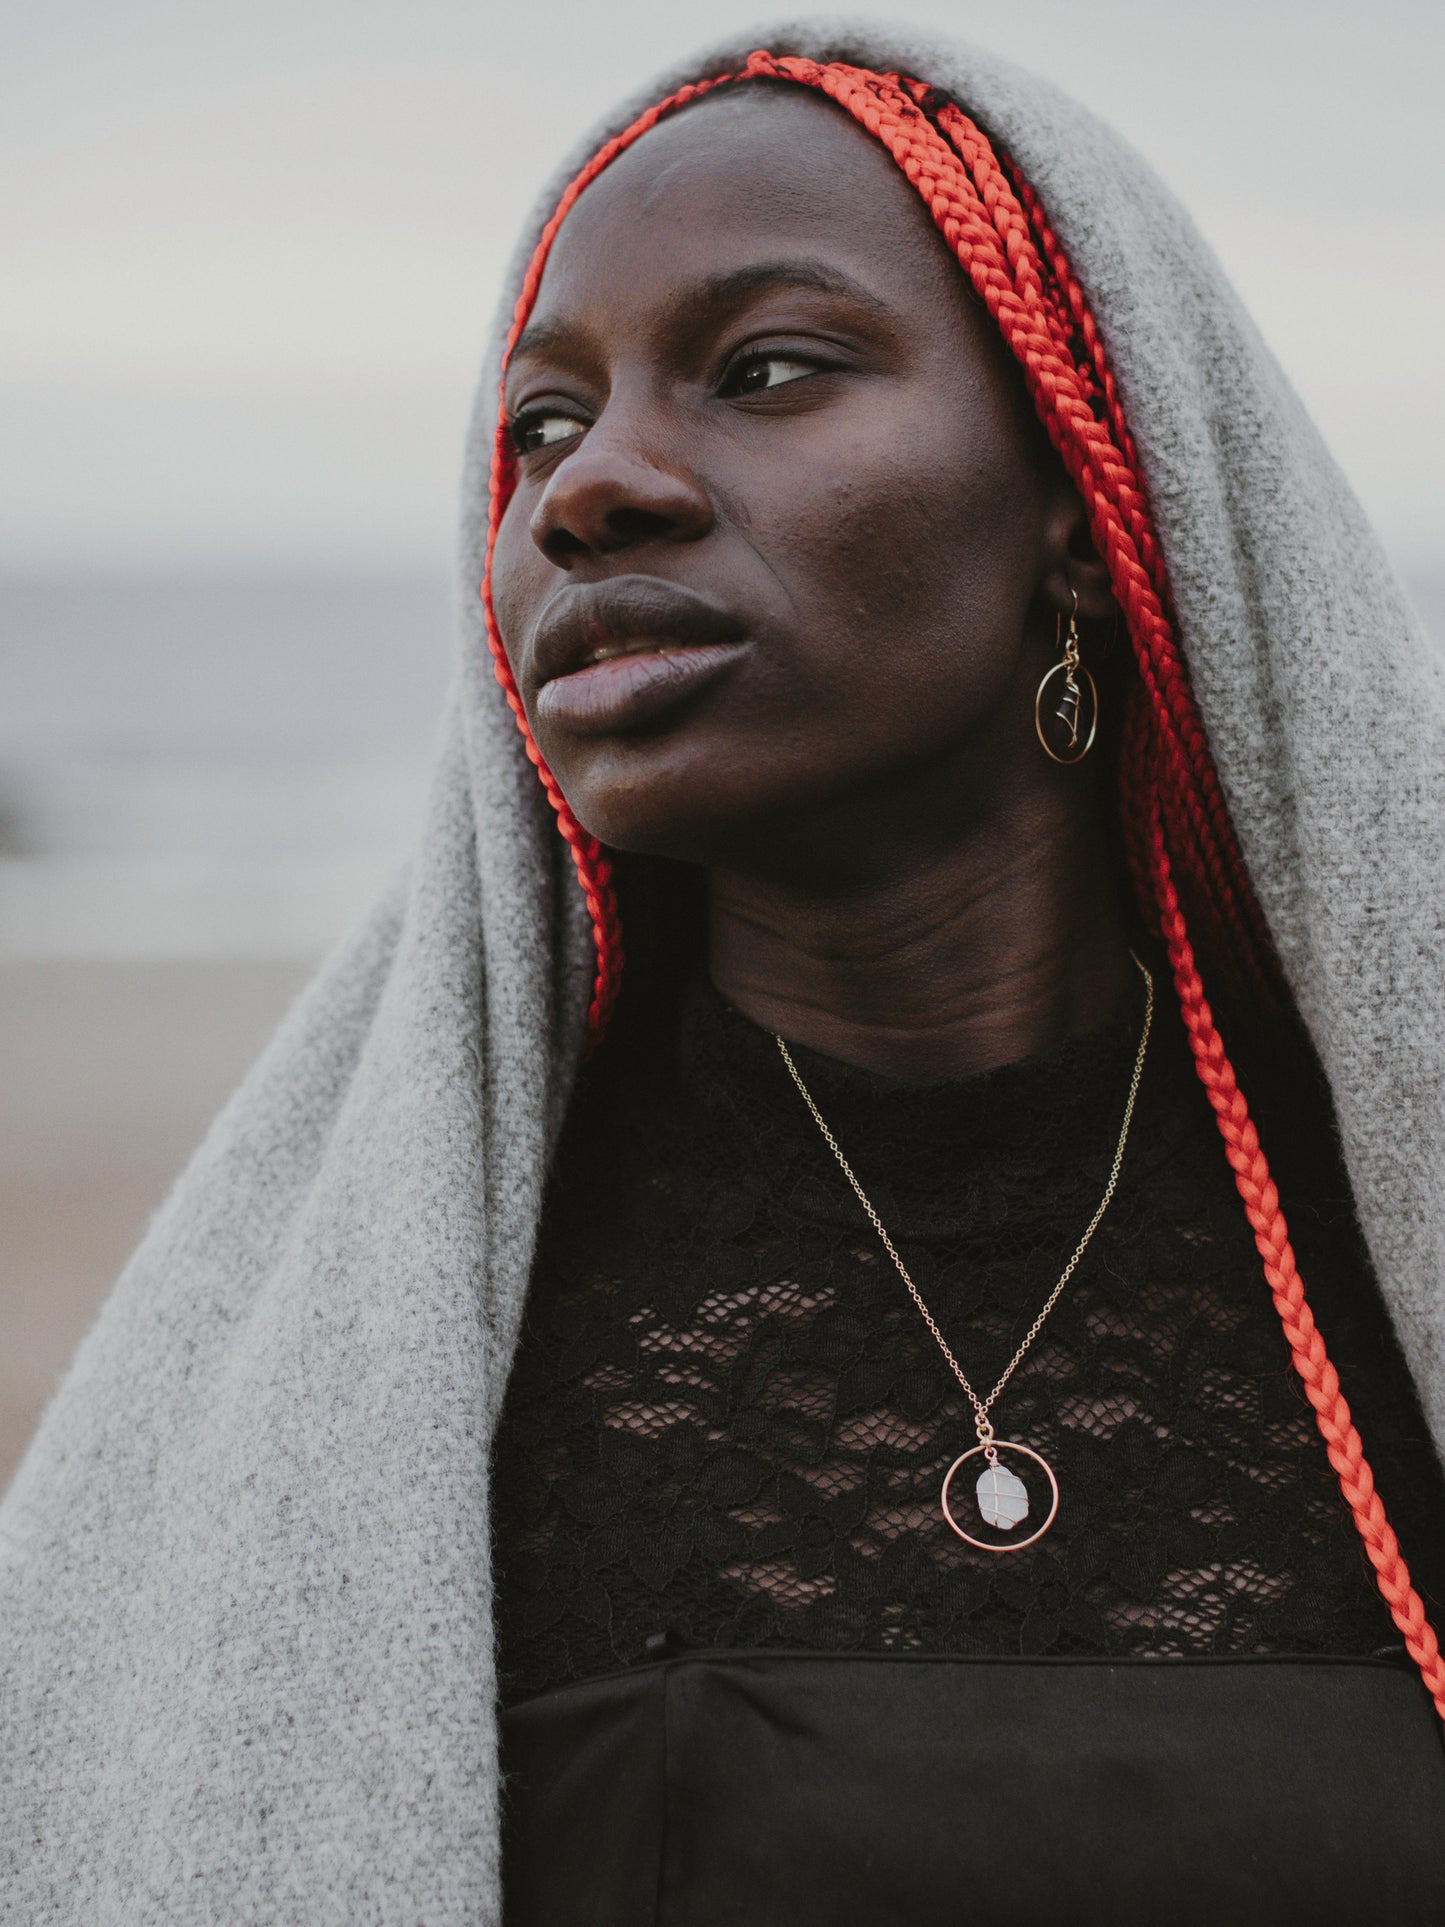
1001,1493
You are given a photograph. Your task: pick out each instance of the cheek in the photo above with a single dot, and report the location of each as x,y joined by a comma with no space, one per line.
914,549
519,575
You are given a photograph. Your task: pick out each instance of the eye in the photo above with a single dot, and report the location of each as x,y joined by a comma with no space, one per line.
536,428
755,372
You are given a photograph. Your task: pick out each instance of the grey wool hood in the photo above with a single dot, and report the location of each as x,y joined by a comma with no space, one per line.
246,1665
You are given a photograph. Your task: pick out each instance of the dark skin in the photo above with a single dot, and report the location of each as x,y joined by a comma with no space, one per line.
755,377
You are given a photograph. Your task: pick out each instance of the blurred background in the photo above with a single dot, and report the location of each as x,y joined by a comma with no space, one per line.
251,254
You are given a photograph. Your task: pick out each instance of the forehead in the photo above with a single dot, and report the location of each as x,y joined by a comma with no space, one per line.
764,172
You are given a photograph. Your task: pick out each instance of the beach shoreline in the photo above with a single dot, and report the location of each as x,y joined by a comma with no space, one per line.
110,1073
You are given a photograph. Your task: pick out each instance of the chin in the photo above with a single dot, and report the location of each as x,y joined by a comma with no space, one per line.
656,819
666,796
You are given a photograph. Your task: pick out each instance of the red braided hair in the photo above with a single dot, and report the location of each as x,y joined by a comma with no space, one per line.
1180,842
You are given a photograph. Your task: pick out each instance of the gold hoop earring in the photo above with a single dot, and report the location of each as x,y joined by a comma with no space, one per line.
1071,697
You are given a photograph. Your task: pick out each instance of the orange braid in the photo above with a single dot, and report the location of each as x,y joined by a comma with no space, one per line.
1173,810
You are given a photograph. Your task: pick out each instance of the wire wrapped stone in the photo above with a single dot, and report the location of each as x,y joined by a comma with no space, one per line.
1002,1498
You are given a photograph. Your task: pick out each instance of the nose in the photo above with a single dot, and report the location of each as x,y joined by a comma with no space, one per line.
620,490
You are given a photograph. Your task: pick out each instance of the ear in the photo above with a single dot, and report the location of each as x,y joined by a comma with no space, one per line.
1072,565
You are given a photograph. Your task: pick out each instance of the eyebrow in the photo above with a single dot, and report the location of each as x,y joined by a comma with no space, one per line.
736,284
727,289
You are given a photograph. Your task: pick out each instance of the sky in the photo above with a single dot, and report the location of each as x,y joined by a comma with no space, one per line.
252,252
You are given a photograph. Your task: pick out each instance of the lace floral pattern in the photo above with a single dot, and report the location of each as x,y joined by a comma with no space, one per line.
728,1426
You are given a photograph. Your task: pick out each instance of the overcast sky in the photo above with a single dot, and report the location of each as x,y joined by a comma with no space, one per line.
250,252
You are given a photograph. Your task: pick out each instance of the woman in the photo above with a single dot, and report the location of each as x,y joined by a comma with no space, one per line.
898,1492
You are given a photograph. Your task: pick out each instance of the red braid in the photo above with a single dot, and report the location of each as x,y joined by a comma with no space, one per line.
1177,829
1271,1236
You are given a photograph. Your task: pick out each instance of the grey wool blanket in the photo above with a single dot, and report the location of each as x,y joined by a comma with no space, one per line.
246,1666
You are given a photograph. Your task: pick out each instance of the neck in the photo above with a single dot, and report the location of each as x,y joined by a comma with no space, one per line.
939,964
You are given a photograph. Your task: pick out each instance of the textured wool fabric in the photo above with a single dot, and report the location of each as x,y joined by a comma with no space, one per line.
245,1633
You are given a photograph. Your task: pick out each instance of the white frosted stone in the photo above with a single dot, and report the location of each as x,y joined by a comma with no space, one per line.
1002,1498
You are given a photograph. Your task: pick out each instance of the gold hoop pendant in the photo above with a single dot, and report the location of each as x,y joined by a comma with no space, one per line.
1002,1502
1071,699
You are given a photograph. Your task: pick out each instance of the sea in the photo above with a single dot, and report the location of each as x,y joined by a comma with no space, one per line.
223,767
210,766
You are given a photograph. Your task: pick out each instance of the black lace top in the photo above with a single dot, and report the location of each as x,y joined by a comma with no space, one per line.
727,1425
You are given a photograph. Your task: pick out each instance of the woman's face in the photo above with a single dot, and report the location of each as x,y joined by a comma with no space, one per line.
786,540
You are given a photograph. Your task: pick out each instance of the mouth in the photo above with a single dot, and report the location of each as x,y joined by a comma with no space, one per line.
613,656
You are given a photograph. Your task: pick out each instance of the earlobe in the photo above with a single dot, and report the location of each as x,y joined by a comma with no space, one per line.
1089,574
1076,577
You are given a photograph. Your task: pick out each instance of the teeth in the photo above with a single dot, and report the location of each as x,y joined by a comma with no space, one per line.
609,650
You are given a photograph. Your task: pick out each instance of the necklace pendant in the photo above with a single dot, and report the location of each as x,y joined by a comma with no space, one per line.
1005,1494
1003,1498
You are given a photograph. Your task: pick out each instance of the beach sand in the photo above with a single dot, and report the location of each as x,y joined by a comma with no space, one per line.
109,1074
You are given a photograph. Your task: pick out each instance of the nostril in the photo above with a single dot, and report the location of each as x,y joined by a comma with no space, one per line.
623,527
561,545
628,525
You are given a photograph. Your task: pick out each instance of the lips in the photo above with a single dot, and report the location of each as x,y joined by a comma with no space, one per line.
613,656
